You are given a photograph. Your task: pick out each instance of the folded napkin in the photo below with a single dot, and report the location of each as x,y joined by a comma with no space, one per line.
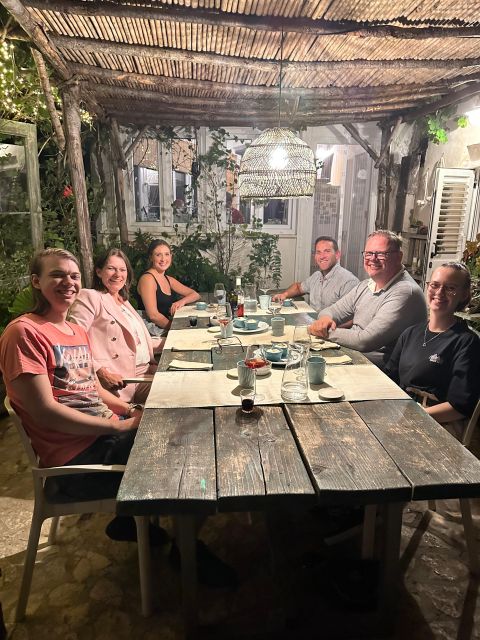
338,359
187,365
320,345
146,378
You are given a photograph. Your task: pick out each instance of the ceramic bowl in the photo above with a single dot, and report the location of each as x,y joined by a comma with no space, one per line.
283,346
251,324
200,306
288,302
273,354
239,323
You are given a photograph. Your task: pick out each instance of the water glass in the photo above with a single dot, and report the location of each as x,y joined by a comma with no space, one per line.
250,298
295,377
193,320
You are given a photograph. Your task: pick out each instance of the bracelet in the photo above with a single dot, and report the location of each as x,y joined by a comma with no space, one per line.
132,407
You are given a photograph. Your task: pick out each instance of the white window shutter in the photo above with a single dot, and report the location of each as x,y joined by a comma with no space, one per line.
450,217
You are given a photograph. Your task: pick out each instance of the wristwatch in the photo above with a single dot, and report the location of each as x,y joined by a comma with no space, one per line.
132,407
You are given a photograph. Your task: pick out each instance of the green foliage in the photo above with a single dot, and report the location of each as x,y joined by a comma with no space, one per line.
22,303
14,269
265,260
438,124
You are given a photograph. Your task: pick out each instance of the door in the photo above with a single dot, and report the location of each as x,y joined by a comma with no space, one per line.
451,217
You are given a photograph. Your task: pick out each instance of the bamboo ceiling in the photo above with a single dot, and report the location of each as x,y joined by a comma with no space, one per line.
217,62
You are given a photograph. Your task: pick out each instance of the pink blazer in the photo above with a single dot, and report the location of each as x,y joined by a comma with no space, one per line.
113,344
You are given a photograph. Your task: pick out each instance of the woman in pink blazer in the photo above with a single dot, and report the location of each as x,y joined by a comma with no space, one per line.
121,345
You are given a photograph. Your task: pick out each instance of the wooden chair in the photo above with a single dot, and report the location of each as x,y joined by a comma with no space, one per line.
48,506
465,506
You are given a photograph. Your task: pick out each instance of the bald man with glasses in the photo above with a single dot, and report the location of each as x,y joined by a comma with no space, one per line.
380,307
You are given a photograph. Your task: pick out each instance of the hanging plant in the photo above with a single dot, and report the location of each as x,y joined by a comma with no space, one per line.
438,124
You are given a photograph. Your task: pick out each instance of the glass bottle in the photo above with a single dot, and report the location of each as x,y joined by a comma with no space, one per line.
240,295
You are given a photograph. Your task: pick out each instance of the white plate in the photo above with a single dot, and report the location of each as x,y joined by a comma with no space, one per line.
213,329
330,393
279,363
262,326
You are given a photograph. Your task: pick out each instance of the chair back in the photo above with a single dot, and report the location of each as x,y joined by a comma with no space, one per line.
472,423
32,456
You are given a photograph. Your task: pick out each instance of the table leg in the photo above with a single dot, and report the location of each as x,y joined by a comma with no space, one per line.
186,539
391,561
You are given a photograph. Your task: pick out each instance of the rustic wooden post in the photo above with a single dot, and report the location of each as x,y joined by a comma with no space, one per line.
119,164
71,121
382,207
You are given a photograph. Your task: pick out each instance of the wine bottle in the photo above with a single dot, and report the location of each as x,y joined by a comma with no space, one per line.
240,294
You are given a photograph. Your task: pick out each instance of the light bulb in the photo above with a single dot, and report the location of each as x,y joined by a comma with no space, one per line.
278,158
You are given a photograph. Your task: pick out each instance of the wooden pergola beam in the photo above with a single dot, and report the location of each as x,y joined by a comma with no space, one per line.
38,37
249,91
388,139
159,118
107,47
453,97
49,100
258,23
104,93
363,143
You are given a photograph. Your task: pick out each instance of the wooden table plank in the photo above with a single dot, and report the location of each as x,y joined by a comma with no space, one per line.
346,463
183,323
192,356
437,465
171,468
258,463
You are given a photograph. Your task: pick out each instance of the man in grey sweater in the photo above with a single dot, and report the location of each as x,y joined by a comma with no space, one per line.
380,307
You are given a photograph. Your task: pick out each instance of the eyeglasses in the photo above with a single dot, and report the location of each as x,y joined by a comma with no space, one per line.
449,289
377,255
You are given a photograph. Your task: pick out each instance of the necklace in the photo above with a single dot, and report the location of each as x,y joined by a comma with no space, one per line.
425,341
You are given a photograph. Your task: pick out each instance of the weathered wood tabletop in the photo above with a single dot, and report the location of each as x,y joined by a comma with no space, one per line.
201,461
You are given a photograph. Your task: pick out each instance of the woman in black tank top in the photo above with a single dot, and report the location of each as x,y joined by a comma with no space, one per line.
158,294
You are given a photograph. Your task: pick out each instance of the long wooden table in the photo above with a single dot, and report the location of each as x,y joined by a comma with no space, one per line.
196,462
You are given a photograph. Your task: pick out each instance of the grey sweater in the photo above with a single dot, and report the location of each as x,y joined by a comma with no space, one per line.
379,317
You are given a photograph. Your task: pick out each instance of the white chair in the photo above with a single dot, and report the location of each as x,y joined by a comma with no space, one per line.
465,507
45,507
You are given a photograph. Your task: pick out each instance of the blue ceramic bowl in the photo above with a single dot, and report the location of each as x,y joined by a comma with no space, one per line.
283,346
251,324
288,302
239,323
273,354
200,306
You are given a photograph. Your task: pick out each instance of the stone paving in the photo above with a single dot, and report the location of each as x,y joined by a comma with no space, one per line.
86,586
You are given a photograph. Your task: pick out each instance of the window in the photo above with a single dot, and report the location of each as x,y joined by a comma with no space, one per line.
184,185
145,175
268,212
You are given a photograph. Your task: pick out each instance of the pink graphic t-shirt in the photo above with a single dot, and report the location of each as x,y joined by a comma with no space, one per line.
29,344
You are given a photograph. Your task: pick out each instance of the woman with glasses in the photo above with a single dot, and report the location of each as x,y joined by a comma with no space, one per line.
441,358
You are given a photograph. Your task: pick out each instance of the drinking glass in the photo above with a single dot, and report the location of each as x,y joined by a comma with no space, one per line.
254,359
247,398
263,286
219,293
193,320
275,307
301,336
224,319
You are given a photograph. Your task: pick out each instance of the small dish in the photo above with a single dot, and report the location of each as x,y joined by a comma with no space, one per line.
262,326
280,363
213,329
214,321
200,306
288,302
331,393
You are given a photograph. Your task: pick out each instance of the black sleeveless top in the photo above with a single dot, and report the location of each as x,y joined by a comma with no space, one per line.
164,301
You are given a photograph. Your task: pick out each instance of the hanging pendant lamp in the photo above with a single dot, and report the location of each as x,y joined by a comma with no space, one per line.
278,164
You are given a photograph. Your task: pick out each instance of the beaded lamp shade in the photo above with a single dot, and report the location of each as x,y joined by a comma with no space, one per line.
277,165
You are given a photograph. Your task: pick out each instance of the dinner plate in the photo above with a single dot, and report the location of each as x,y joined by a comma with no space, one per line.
262,326
330,393
280,363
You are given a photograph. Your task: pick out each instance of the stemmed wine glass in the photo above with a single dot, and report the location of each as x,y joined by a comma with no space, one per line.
263,286
275,307
219,293
301,336
254,359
